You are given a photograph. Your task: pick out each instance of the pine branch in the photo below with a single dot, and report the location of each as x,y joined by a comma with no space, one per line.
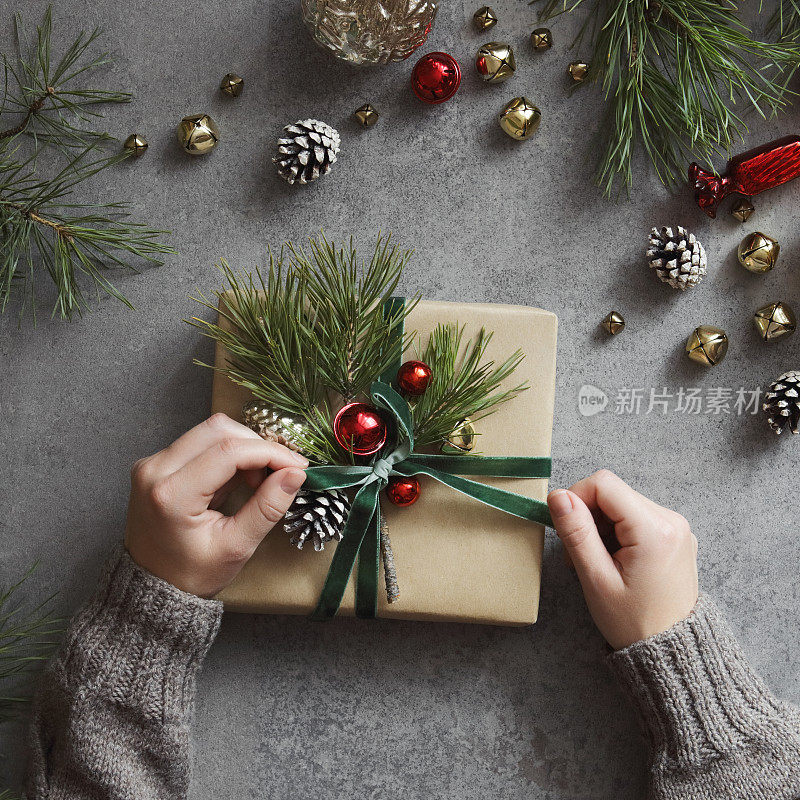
462,384
678,77
785,21
46,98
73,242
27,637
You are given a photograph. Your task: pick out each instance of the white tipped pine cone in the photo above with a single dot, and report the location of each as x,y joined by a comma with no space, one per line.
317,517
677,257
782,403
306,150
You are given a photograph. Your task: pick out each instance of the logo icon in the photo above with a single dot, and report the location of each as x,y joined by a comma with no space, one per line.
591,400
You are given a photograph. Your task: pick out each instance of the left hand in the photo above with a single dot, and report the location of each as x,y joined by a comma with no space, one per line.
173,528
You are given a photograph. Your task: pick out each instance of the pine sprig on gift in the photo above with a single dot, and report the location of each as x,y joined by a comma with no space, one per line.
678,77
462,383
308,325
45,96
27,635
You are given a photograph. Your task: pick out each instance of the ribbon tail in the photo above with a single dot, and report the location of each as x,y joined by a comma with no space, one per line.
509,502
362,515
369,569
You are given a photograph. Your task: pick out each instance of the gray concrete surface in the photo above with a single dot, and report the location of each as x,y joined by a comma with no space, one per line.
289,709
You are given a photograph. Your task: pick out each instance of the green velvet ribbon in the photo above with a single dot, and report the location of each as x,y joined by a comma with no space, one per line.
361,534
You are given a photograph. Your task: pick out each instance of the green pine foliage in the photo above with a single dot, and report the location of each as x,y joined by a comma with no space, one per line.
44,229
309,332
679,78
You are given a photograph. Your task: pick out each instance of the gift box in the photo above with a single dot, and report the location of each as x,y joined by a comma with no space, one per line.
456,559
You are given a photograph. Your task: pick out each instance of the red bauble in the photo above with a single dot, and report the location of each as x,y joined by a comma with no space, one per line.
752,172
360,429
436,77
413,378
403,491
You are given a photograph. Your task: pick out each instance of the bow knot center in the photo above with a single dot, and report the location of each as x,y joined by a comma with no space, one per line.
381,469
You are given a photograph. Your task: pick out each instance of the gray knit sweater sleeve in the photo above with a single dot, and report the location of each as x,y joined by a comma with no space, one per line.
714,730
111,717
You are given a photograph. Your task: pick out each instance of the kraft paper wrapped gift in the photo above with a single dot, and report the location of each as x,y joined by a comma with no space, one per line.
457,559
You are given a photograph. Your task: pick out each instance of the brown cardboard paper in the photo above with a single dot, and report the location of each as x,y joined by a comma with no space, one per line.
456,559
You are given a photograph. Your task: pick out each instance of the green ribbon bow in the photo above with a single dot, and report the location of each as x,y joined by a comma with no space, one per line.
361,534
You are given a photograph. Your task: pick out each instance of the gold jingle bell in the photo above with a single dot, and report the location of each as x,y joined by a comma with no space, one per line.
578,70
484,18
707,345
198,134
495,62
135,145
614,323
774,321
366,116
541,39
520,118
758,252
461,440
742,209
232,84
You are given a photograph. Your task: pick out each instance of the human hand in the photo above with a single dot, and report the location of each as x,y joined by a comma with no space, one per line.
173,529
650,582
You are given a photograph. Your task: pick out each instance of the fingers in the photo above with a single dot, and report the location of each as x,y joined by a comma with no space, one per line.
200,438
576,529
263,510
194,485
608,493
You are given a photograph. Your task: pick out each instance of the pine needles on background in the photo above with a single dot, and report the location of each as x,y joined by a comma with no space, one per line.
679,77
42,228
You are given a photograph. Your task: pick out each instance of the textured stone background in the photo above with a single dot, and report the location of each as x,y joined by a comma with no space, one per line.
291,709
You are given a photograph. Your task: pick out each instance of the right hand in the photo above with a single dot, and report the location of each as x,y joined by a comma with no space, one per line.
650,582
174,530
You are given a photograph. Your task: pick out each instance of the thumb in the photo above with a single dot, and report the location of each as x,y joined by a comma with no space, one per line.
576,528
268,505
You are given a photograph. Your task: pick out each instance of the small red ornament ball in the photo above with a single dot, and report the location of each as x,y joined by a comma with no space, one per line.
436,77
413,378
360,429
403,491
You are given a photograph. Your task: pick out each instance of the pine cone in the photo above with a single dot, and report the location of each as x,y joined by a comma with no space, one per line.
306,150
317,517
782,403
271,425
677,257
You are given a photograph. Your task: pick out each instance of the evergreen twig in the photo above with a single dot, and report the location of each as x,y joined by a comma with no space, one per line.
678,77
462,383
41,227
26,638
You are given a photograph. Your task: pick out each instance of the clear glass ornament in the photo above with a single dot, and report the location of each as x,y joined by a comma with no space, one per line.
369,31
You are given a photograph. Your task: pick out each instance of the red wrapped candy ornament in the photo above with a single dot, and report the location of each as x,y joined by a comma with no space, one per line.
413,378
402,490
749,174
360,429
436,77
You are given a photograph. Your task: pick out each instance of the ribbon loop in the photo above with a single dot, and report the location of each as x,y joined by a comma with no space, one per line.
361,534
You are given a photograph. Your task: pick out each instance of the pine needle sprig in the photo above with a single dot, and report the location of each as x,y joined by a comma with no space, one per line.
27,636
462,383
678,77
73,242
47,99
785,21
355,342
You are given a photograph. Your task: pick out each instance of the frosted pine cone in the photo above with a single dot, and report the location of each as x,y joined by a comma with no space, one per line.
306,150
272,426
782,403
677,257
317,517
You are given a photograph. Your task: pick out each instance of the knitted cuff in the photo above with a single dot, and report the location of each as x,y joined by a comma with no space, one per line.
138,642
697,698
